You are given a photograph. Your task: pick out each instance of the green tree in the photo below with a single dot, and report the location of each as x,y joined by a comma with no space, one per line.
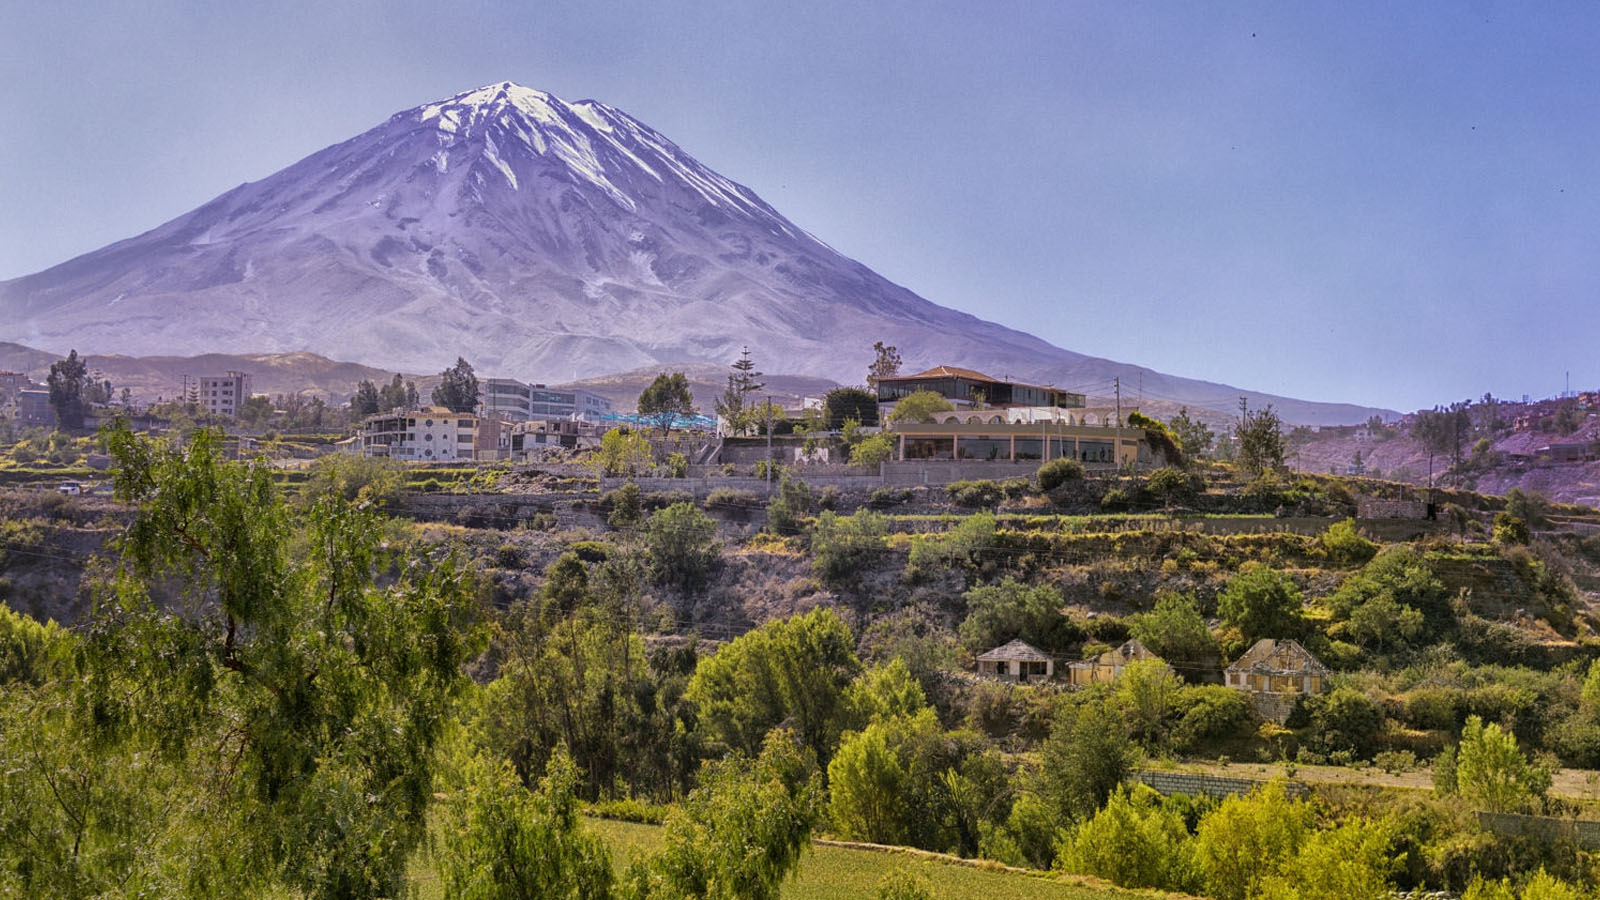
1133,842
625,506
682,545
867,787
843,404
353,479
1246,841
791,670
1350,861
30,651
277,736
1175,630
1509,529
1001,612
458,388
1260,441
730,406
666,400
1192,434
882,692
622,452
396,394
919,406
1492,772
1087,755
1343,544
68,380
885,363
497,841
873,451
792,503
365,399
1344,719
1262,602
738,835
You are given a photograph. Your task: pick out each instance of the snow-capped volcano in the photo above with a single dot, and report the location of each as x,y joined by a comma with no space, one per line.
539,239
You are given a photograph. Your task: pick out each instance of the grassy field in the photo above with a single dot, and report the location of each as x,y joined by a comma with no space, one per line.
842,873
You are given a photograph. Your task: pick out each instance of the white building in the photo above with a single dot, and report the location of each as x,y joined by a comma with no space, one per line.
434,434
517,401
224,395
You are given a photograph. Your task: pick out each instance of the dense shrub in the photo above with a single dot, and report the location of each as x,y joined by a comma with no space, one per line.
625,506
1342,544
789,506
842,547
885,497
975,493
682,544
732,498
1057,472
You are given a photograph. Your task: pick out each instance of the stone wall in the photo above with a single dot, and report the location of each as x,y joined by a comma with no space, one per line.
1195,784
1585,834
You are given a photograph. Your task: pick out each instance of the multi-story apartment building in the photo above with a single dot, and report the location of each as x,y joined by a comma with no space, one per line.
518,401
224,395
434,434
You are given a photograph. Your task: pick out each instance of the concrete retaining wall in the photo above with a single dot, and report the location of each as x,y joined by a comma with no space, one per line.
1195,784
1585,834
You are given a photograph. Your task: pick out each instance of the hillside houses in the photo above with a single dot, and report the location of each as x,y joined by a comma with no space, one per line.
1277,673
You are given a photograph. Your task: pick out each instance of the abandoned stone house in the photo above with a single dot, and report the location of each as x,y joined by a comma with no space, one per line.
1108,666
1017,660
1276,674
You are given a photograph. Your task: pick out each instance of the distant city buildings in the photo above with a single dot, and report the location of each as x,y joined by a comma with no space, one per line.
518,401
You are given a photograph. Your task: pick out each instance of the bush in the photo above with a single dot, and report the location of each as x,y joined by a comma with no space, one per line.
1509,529
1169,485
843,547
1344,719
682,545
873,451
1342,544
732,498
654,500
828,498
1395,762
1057,472
678,465
885,497
625,506
1115,499
786,509
1133,842
508,556
975,493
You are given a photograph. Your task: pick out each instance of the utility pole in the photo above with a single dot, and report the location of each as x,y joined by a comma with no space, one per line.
769,445
1117,383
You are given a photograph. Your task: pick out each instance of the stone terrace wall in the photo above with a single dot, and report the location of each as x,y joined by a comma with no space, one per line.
1195,784
1585,834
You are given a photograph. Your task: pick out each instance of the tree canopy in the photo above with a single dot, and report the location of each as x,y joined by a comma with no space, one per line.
666,399
458,388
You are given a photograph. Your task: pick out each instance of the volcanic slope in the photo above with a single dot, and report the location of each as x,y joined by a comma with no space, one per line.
538,238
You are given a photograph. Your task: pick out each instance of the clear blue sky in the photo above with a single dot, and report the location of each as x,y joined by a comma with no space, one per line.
1388,203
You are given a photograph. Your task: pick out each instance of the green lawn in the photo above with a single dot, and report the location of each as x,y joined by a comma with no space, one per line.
840,873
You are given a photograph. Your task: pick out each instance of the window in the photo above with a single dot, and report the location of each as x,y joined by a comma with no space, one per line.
428,436
464,423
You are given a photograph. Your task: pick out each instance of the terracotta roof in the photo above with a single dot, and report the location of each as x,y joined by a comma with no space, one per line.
945,372
1017,649
1270,656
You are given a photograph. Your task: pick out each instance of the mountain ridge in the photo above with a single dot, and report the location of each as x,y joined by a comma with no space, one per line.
541,239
